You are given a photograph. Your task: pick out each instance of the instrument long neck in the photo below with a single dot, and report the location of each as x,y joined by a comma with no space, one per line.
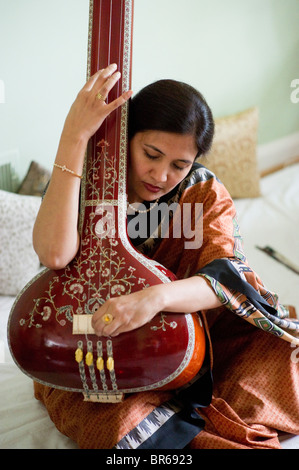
110,41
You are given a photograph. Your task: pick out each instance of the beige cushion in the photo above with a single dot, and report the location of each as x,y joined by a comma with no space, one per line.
233,154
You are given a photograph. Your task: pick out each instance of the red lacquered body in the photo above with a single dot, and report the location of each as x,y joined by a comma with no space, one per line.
165,353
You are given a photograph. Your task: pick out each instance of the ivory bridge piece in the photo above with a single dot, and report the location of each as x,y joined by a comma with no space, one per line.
104,397
82,325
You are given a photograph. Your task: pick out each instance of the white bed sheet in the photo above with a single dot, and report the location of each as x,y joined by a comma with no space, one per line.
272,219
24,422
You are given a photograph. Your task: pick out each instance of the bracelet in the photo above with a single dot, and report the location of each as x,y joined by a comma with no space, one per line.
64,168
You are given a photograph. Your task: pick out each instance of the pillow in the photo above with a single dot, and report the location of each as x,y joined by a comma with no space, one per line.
35,181
233,154
18,261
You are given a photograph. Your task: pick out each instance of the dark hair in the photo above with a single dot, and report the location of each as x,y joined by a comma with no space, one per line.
172,106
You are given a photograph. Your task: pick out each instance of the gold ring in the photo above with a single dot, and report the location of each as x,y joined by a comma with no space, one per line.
100,96
107,318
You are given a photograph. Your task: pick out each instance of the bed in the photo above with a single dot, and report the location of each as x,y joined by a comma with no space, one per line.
268,218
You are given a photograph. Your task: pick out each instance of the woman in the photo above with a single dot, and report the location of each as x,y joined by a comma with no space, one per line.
170,125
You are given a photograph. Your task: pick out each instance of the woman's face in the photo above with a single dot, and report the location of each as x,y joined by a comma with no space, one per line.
158,162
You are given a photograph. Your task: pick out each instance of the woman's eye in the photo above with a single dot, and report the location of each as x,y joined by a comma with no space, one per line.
152,157
178,167
155,157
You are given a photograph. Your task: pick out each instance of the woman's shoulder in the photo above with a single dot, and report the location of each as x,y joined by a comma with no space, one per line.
197,175
203,184
200,181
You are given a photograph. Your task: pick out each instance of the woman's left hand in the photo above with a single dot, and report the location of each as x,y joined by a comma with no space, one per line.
127,312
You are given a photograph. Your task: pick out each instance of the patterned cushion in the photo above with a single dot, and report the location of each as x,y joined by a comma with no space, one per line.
233,154
18,261
35,181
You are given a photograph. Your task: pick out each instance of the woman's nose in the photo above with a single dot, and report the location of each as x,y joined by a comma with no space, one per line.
159,173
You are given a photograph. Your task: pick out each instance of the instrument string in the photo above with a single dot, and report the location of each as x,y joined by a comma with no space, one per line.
86,235
111,208
94,280
119,90
103,149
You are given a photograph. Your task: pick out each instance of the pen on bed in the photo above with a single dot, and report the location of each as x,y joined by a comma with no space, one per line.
280,258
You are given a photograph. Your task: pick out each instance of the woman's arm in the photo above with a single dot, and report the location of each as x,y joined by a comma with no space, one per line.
134,310
55,234
187,295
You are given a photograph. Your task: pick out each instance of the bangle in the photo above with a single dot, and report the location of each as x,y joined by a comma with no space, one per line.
64,168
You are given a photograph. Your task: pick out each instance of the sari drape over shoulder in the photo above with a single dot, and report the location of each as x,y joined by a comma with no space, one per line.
255,381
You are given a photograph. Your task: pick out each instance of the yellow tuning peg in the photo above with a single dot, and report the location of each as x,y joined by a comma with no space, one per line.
79,355
100,363
110,363
89,359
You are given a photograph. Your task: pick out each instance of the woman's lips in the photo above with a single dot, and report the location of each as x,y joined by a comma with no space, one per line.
151,188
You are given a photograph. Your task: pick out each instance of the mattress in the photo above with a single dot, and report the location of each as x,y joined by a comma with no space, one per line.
24,422
273,220
270,220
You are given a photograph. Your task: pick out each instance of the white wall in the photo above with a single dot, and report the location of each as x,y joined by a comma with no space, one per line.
43,50
239,53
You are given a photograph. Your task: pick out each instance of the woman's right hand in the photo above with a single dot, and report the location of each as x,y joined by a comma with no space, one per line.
88,111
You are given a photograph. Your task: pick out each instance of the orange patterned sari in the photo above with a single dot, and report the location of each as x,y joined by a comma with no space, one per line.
252,355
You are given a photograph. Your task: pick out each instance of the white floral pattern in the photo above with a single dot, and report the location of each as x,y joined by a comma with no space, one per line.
18,261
